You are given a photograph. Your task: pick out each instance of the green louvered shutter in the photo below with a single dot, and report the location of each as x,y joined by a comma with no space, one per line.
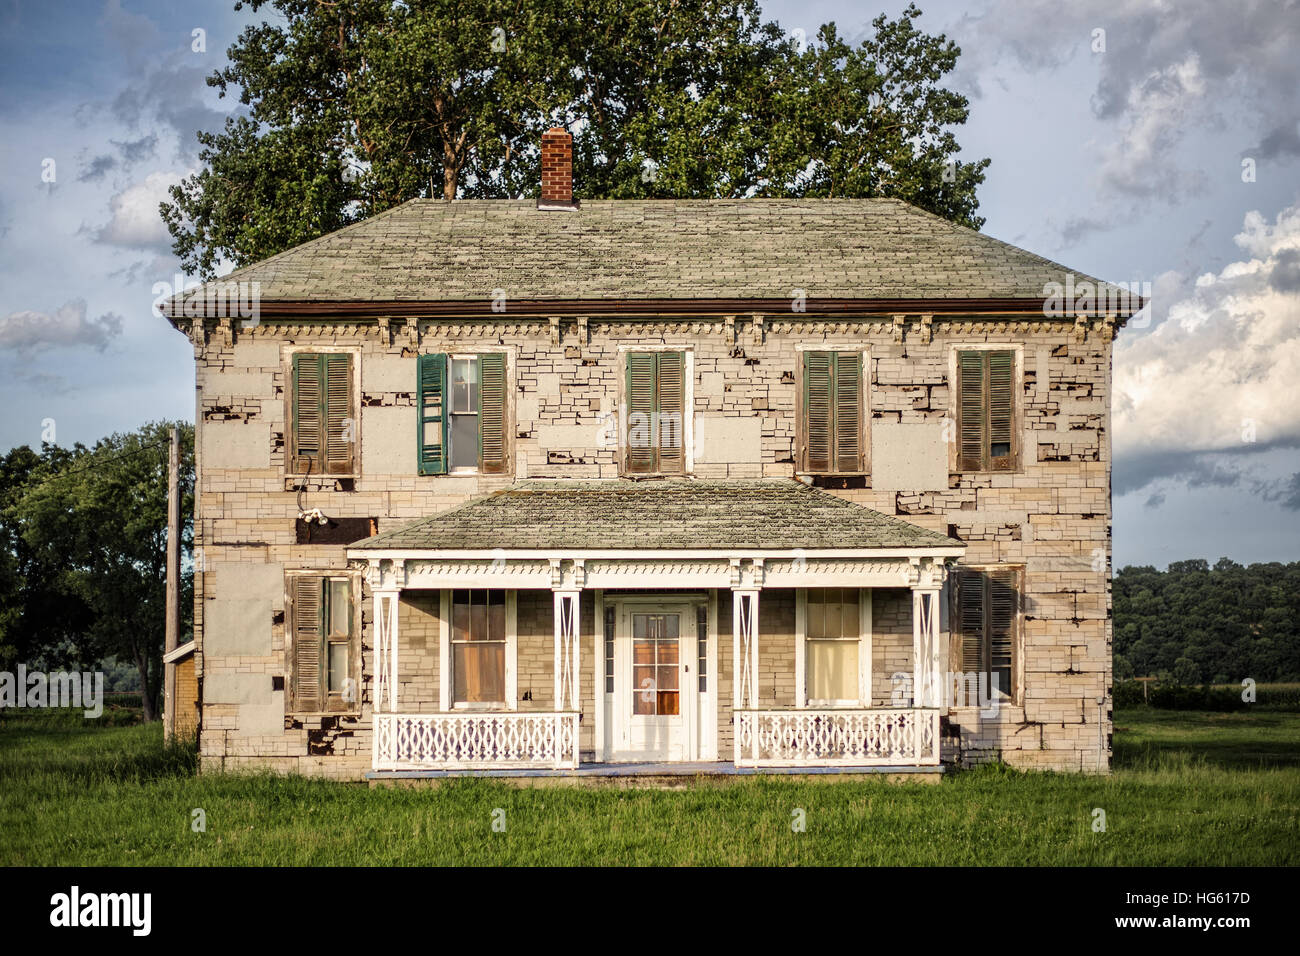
986,409
307,423
642,376
431,417
308,638
492,413
970,411
832,409
1001,409
669,431
340,426
324,432
848,411
819,415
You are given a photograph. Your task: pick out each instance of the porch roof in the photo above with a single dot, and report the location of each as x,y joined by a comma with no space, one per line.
658,515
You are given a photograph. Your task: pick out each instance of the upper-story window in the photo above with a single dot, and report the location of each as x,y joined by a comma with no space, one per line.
986,410
462,414
323,429
831,413
657,419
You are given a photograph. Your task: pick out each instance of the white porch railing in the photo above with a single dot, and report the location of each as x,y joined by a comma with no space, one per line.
476,741
905,736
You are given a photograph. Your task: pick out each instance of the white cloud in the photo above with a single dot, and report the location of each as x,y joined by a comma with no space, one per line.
1221,373
135,221
28,331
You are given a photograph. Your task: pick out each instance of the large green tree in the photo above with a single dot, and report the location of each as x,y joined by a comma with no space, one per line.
349,108
85,537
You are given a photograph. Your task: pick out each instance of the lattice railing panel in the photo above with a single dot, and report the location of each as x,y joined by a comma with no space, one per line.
861,738
475,741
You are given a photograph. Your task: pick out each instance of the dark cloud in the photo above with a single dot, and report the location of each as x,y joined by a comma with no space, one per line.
1285,275
133,151
1156,500
96,168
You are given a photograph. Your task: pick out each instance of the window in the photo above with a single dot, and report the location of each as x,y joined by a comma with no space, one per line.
323,433
833,645
655,661
655,441
324,655
987,631
461,400
702,647
832,412
478,647
609,648
986,410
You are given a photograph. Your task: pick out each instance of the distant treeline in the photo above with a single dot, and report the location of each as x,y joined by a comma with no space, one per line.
1195,624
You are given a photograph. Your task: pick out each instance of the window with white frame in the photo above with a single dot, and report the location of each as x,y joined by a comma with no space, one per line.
833,645
478,637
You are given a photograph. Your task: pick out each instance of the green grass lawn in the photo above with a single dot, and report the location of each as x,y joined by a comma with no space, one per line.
1190,788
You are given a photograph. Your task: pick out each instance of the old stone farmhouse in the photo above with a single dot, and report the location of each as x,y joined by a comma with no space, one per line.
568,486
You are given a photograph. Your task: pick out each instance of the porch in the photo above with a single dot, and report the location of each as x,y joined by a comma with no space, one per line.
666,658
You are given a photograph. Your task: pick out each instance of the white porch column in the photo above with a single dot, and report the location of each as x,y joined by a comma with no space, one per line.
926,679
744,684
567,654
385,619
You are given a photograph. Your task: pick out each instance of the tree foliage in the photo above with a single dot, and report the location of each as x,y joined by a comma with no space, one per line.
350,108
1195,623
83,557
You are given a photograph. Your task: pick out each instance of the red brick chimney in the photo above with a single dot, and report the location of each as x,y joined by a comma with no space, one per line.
557,169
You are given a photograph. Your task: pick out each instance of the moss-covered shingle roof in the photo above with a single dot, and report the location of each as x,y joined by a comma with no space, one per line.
679,514
761,249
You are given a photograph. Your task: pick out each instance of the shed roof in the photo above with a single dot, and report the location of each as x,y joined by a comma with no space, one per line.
659,515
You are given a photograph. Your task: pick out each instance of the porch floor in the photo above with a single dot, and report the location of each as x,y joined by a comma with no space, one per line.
658,774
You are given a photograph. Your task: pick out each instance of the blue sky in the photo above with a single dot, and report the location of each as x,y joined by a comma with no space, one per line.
1118,153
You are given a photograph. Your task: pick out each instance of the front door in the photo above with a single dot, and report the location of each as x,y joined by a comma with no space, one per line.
654,713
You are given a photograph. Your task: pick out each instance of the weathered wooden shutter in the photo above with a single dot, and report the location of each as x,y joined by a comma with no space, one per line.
988,610
986,408
307,431
1001,410
832,401
308,644
492,413
642,376
340,426
324,432
970,411
669,431
818,410
431,417
848,411
1002,611
970,620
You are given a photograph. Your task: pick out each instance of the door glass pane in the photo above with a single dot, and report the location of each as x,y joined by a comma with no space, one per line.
655,664
832,670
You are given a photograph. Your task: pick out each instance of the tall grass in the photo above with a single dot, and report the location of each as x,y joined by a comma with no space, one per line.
72,794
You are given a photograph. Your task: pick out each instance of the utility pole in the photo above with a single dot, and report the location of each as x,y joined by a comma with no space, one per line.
173,634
